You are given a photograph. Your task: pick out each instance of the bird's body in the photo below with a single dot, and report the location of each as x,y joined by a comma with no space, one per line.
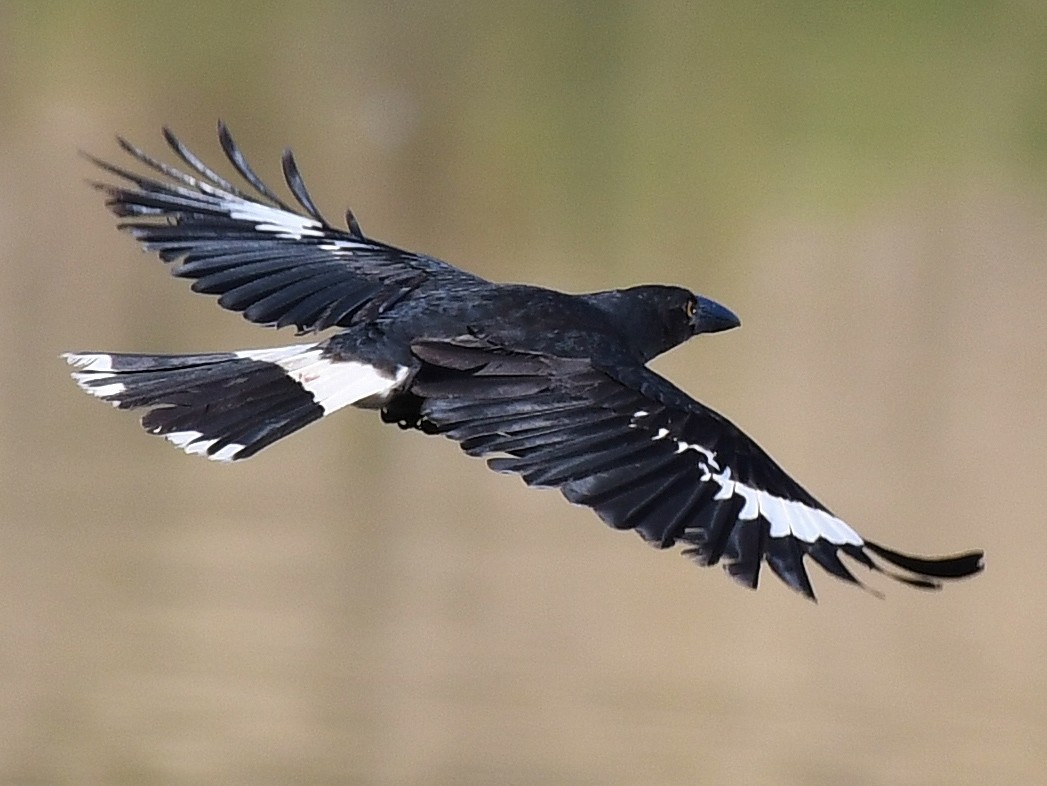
554,386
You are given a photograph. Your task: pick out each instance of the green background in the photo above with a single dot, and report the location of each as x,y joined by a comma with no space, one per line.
863,183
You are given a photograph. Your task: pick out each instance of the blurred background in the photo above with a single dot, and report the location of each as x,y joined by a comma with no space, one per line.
865,186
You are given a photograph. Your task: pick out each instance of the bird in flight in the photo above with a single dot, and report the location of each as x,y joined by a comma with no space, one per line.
550,386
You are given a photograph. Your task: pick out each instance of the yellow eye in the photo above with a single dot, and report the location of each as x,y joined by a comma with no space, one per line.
689,308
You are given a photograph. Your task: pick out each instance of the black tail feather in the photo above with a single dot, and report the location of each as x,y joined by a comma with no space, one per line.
225,405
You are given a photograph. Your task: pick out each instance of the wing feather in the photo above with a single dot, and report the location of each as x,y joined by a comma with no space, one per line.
297,186
224,237
645,456
239,160
191,160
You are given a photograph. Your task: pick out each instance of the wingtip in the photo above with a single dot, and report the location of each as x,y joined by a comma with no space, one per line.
93,158
353,224
952,566
170,137
225,137
125,145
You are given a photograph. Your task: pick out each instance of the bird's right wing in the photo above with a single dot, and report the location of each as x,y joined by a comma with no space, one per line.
645,456
276,263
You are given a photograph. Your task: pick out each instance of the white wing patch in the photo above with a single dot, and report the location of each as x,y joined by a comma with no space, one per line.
283,224
272,219
786,517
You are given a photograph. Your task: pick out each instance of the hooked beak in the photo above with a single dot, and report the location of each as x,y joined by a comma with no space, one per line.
711,317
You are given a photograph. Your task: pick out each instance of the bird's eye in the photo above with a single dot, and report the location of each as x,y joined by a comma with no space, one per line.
689,308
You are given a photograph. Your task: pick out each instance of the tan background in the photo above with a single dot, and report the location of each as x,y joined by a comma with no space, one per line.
357,605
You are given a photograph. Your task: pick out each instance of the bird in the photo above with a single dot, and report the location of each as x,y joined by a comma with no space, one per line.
549,386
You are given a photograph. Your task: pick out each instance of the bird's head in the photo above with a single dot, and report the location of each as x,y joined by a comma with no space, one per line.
655,318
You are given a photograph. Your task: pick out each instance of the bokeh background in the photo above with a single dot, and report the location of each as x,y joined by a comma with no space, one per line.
863,183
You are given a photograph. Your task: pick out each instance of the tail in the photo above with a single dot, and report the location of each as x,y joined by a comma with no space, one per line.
230,405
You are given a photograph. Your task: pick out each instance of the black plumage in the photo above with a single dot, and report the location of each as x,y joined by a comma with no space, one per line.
549,386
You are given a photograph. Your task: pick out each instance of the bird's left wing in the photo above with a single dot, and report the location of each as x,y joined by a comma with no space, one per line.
645,456
277,263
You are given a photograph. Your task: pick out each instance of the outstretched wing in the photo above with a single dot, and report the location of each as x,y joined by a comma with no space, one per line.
277,264
645,456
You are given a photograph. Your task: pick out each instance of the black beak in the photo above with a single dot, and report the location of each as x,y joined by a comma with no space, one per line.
711,317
